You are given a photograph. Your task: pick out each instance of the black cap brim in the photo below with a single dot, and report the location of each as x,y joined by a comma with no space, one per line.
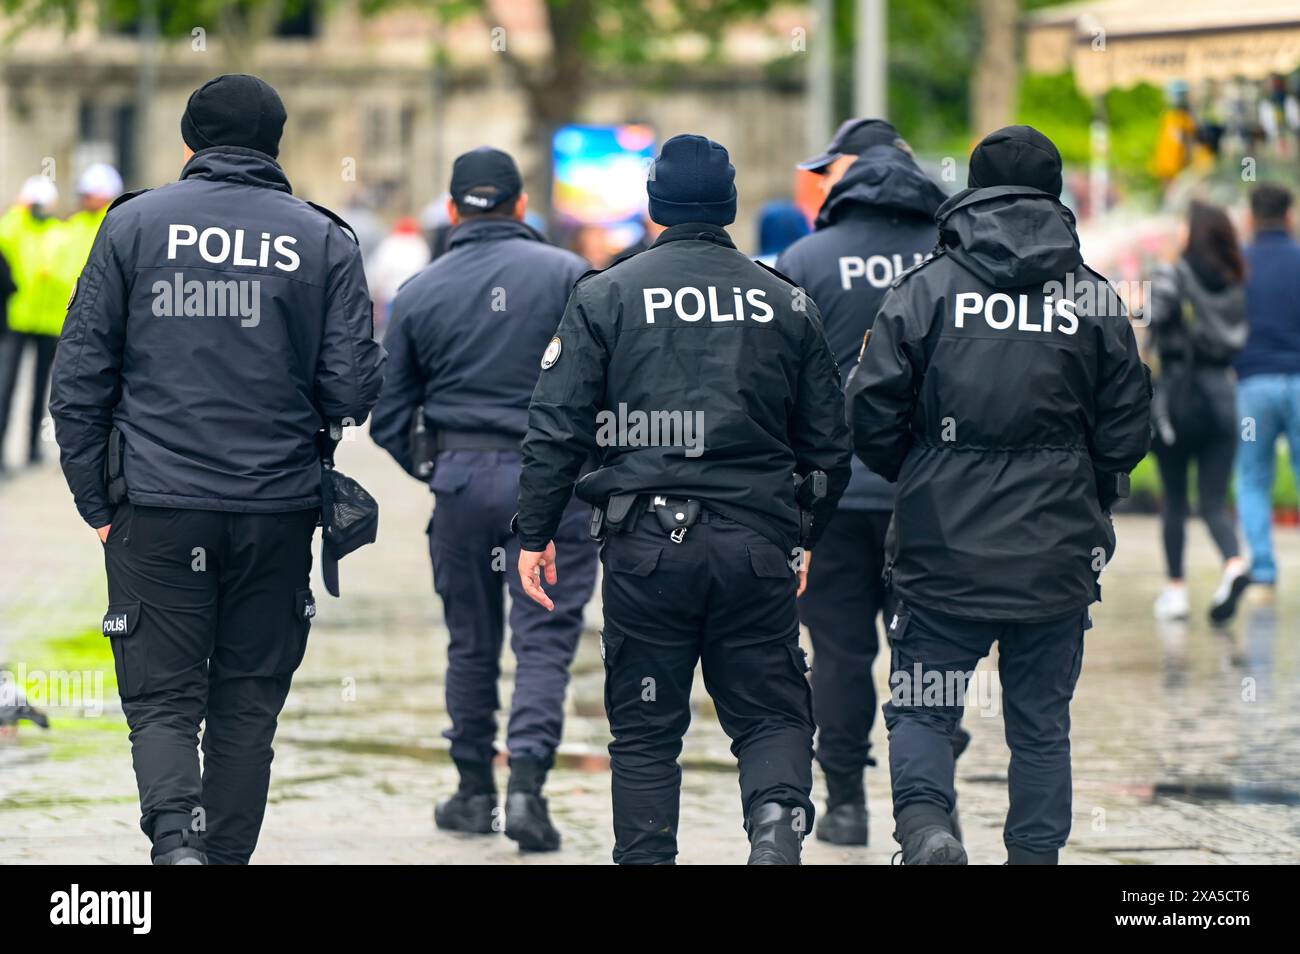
819,163
329,571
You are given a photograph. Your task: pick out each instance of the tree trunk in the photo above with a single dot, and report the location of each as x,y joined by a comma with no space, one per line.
553,91
997,73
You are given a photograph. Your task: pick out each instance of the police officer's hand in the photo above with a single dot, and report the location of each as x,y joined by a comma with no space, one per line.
804,563
531,563
103,532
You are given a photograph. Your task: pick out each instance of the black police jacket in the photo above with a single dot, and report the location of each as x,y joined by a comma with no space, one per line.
218,323
1001,387
692,371
877,222
468,331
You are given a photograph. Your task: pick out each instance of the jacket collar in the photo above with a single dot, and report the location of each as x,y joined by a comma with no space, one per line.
702,231
239,165
491,228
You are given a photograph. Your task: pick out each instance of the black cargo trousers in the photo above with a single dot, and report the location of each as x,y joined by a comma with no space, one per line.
208,618
725,597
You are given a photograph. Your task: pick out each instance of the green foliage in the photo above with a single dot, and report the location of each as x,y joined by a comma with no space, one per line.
932,51
1134,116
1055,105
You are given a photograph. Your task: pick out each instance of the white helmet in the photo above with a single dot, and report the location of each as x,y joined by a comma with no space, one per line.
100,180
38,190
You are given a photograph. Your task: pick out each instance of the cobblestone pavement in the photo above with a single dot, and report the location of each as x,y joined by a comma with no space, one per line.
1185,739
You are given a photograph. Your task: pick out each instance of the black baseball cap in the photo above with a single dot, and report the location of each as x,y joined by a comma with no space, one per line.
853,138
485,178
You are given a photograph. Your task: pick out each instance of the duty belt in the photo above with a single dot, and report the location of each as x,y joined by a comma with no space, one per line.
476,440
676,515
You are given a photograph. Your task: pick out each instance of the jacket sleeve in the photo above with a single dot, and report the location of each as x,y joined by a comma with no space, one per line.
882,390
1121,434
819,432
402,393
349,370
86,382
561,424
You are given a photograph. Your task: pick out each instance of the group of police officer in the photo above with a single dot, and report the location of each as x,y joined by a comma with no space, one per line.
1004,404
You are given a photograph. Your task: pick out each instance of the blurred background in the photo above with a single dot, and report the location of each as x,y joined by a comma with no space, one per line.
1153,103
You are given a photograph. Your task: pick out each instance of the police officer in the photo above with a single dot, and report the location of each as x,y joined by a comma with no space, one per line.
218,324
1001,388
467,335
703,383
876,221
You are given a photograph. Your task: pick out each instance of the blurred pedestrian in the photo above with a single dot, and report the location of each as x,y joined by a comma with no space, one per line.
30,236
780,225
219,325
651,230
702,528
1268,369
1001,388
98,186
1197,318
398,256
467,338
877,221
591,241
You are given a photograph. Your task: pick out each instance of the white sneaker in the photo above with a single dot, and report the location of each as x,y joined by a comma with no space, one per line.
1224,604
1172,603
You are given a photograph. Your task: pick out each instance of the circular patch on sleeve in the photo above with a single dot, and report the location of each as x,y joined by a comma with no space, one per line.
551,354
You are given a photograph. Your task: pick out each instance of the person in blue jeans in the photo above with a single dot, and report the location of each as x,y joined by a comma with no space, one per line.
1268,369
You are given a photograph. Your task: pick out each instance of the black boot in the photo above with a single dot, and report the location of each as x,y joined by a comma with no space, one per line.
1019,856
845,820
528,821
774,835
925,833
174,842
473,808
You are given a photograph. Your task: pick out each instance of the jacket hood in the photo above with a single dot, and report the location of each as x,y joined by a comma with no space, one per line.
883,178
1010,236
239,165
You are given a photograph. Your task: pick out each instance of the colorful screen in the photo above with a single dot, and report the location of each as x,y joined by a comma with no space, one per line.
600,174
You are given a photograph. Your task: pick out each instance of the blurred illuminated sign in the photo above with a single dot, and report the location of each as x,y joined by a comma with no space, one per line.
600,174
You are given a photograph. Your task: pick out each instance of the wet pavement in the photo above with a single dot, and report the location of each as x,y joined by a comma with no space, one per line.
1186,747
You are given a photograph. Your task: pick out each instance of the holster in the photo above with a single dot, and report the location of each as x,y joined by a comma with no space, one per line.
617,516
114,478
675,517
424,446
1111,487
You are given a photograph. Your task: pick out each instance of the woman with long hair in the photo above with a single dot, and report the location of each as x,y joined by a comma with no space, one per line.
1198,324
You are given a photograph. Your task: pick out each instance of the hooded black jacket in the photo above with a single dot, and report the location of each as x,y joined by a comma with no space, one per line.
468,331
741,354
877,222
218,323
1004,428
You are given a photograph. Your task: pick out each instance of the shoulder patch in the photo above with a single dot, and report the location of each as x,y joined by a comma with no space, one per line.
125,197
934,255
552,353
335,218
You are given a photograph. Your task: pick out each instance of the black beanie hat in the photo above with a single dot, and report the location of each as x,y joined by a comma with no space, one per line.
692,180
1016,155
234,110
